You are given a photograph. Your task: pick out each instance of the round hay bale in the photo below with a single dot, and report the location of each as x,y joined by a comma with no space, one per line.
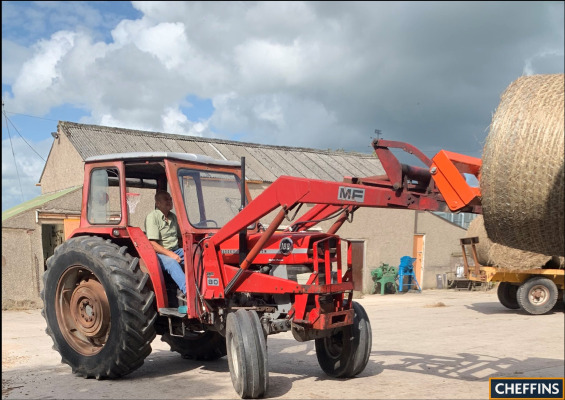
522,176
477,229
509,258
494,254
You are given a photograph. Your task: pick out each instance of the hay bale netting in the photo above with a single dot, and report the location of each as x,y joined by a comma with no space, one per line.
522,177
489,253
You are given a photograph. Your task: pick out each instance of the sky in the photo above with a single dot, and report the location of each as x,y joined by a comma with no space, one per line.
322,75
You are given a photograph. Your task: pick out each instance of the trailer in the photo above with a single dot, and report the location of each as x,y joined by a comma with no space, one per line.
534,290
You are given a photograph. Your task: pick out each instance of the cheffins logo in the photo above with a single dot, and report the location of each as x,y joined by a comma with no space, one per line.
526,388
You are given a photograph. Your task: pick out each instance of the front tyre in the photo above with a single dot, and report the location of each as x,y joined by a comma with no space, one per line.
346,353
247,354
98,307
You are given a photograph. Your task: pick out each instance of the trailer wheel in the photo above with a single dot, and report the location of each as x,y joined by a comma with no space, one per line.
346,353
247,354
99,310
537,295
507,295
201,346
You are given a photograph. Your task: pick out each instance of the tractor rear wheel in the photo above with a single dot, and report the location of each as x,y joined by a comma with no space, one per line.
201,346
247,354
507,295
98,307
537,295
346,353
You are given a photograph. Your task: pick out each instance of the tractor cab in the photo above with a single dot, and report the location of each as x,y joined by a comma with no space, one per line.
205,191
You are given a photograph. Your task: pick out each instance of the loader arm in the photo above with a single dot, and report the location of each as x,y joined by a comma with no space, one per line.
442,181
446,169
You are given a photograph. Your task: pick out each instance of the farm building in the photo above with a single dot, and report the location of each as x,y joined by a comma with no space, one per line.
31,230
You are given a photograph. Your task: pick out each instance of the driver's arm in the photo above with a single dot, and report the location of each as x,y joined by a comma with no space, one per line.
161,250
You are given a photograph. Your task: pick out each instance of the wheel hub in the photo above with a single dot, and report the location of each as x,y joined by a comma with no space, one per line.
89,310
83,310
334,345
538,295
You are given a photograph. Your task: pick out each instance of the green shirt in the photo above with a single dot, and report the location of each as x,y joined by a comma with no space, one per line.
165,233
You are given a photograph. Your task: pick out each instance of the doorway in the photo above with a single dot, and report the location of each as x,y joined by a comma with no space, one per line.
418,254
52,235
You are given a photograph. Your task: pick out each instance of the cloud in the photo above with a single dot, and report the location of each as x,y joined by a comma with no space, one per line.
13,57
546,57
174,121
42,74
314,74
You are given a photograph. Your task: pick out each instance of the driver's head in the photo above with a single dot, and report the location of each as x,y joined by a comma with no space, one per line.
163,201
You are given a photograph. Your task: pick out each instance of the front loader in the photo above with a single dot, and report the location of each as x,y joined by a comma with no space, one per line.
106,297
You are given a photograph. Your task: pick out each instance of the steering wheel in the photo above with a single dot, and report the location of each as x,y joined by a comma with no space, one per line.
204,223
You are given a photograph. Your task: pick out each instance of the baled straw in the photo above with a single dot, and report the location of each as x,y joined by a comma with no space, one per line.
514,259
489,253
522,177
477,229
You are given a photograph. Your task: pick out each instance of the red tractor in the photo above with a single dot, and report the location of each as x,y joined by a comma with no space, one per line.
106,297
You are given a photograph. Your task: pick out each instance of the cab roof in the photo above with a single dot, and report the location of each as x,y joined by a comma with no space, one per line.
161,155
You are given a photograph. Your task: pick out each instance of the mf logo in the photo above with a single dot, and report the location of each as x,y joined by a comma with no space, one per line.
351,194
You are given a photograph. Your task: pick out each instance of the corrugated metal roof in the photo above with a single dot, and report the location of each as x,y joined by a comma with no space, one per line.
35,202
263,162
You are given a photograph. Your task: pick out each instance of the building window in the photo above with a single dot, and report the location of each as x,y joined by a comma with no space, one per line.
461,219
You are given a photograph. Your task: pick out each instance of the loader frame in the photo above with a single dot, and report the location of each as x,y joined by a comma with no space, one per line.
439,187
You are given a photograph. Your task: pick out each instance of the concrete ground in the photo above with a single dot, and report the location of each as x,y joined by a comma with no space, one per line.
439,344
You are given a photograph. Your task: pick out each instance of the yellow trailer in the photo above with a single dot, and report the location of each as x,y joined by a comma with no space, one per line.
535,290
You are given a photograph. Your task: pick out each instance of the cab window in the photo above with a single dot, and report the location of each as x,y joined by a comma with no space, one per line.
104,205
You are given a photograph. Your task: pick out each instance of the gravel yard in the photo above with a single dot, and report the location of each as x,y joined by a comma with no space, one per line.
438,344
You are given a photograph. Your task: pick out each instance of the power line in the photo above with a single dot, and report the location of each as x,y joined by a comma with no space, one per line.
13,154
30,146
31,116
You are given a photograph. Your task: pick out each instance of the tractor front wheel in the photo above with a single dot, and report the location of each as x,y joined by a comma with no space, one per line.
346,353
247,354
98,307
